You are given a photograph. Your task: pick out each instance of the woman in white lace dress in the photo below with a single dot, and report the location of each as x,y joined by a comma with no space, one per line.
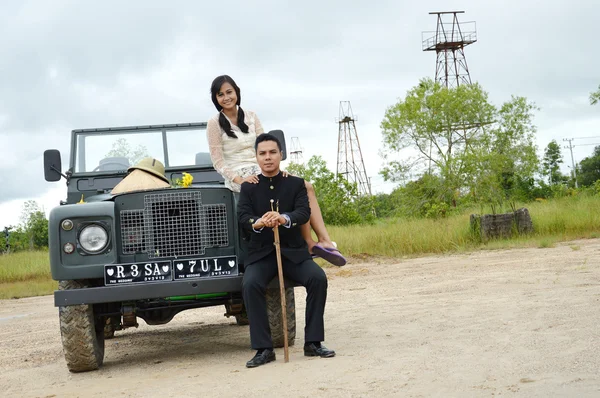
231,135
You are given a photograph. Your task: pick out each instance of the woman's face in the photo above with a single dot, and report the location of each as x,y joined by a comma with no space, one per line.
226,97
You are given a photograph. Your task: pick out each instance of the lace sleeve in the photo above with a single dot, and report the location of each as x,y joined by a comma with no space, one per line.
215,145
258,128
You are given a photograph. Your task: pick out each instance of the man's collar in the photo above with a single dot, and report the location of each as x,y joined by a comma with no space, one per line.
275,177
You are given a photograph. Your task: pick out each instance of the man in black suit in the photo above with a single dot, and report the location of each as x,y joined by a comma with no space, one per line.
261,264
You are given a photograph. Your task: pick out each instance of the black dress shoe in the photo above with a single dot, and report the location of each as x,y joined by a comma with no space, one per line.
314,350
261,357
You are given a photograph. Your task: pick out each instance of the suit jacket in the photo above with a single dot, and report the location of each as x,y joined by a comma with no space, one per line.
254,201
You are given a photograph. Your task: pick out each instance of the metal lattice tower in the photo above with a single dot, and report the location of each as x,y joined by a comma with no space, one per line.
296,151
350,162
449,41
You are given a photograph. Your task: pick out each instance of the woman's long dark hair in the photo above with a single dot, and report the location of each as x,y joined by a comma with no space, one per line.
223,122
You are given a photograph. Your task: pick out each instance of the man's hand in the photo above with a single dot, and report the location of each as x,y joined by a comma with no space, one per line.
272,219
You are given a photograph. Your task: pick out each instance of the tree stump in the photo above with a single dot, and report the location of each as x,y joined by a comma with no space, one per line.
507,225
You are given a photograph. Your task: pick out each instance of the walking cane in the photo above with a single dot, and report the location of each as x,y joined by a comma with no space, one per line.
281,283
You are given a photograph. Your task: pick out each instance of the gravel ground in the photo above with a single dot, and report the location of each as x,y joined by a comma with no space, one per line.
520,322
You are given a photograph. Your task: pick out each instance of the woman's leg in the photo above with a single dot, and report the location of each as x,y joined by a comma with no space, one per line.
316,222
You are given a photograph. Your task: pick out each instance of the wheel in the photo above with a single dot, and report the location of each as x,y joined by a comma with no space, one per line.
82,337
276,318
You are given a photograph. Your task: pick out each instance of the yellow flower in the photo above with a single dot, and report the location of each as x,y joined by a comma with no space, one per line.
186,179
184,182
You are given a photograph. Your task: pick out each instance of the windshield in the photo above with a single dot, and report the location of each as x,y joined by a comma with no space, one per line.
116,151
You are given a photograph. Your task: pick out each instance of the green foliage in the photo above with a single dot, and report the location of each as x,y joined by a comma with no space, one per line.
426,197
17,239
121,147
551,163
336,196
35,225
513,146
387,205
571,217
477,151
596,188
435,121
588,170
31,234
595,97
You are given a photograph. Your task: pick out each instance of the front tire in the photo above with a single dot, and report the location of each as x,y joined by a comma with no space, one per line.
82,337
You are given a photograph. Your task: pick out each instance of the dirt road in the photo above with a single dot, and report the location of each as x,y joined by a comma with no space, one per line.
519,322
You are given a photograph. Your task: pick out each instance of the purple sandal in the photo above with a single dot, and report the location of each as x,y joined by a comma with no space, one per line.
332,255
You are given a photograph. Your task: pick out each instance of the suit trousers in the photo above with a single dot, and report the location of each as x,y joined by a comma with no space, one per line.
254,284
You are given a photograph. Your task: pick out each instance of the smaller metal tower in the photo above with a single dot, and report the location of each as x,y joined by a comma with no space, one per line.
296,151
350,162
449,41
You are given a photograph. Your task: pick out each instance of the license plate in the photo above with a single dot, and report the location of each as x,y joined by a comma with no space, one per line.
205,267
155,271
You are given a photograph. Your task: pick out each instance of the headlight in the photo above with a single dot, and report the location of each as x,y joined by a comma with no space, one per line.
93,238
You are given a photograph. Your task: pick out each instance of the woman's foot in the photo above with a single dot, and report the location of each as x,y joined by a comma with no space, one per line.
327,245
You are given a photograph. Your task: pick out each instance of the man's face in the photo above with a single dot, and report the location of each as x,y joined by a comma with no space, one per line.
268,156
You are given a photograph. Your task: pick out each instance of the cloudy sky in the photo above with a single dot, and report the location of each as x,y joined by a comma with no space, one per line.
80,64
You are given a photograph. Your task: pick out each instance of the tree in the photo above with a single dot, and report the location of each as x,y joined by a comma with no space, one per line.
386,205
474,147
425,197
34,225
122,148
589,169
430,120
551,163
17,239
336,196
595,96
514,139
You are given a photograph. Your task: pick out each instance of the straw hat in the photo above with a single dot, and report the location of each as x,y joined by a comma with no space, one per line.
153,166
148,173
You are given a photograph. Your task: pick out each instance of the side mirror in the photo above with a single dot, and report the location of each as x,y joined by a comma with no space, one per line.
281,137
52,165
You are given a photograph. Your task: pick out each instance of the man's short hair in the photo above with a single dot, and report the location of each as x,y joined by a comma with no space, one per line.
266,137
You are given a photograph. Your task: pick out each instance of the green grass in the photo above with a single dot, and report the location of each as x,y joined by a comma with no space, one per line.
546,243
24,266
31,288
25,274
28,273
553,221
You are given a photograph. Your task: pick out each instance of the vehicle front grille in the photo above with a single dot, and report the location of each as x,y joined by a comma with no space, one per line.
132,231
174,224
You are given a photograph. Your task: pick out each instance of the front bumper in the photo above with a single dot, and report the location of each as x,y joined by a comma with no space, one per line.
119,293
